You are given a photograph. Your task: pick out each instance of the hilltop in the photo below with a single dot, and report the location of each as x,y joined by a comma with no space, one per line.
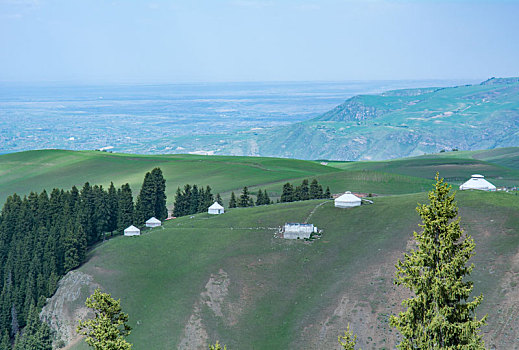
393,124
229,278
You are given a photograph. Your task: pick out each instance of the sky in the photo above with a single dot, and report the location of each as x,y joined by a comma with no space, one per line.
131,41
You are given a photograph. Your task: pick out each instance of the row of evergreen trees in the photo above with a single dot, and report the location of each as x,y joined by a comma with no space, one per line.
304,191
246,200
43,236
194,200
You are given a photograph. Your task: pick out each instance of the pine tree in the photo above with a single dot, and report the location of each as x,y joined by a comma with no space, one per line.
145,205
314,190
250,203
125,213
259,198
439,315
5,344
266,198
232,201
304,191
348,340
106,331
288,193
178,208
244,200
219,199
159,184
194,200
327,194
113,208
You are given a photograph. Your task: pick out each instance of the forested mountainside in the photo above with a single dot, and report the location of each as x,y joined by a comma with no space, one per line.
393,124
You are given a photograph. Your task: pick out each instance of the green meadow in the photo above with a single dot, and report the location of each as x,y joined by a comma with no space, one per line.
234,280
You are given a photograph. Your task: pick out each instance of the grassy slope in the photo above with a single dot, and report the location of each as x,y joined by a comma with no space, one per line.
34,170
283,293
284,290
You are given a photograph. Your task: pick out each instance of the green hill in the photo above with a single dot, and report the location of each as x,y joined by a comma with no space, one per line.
230,278
393,124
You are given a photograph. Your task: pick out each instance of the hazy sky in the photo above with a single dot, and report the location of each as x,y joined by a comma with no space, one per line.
248,40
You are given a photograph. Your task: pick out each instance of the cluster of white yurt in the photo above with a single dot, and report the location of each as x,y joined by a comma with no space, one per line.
347,200
135,231
477,182
216,209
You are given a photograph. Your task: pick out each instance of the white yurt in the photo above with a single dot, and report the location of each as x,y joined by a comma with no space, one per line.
132,231
153,222
347,200
478,182
216,208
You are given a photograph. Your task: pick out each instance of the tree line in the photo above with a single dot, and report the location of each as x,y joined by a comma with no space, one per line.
43,236
304,192
194,199
246,200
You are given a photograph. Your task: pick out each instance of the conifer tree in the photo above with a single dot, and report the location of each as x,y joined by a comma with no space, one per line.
266,198
178,208
159,184
314,189
219,199
5,343
232,201
244,200
439,315
145,204
106,331
193,200
125,209
327,194
259,198
304,193
250,202
348,340
113,208
288,193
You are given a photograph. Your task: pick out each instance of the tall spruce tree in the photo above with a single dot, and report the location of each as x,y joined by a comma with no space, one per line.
232,201
145,204
113,210
245,198
259,198
266,198
219,199
314,190
125,208
327,194
288,193
304,191
439,315
159,183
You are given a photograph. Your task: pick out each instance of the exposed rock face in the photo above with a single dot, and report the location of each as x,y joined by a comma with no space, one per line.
214,299
67,305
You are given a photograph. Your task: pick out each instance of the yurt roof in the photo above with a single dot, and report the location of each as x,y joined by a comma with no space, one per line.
348,197
216,205
153,220
131,228
477,182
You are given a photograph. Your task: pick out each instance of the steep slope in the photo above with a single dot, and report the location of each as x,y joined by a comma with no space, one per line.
393,124
229,278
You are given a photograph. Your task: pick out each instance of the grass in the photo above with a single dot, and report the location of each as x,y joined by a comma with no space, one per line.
281,287
282,293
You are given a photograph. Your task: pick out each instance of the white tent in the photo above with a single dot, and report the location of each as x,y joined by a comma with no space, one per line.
347,200
216,208
298,231
153,222
132,231
478,182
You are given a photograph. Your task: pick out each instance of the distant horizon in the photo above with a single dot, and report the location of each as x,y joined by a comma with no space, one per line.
195,82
